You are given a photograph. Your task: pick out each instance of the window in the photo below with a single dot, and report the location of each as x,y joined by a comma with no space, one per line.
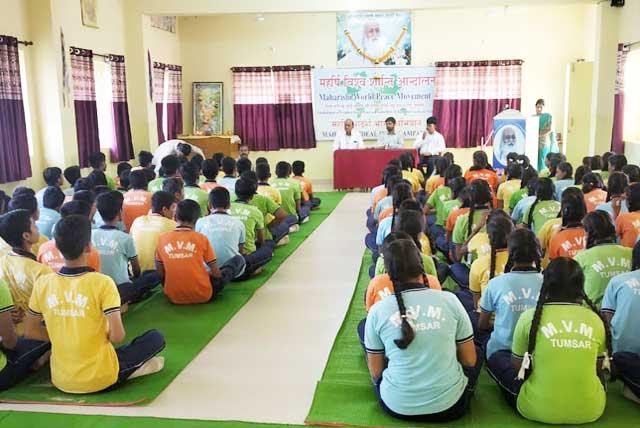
25,98
102,72
631,130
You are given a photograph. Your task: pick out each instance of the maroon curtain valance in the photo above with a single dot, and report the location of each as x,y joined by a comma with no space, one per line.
250,69
484,63
292,68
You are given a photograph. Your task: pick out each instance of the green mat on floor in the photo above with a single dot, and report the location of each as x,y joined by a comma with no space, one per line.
344,396
187,330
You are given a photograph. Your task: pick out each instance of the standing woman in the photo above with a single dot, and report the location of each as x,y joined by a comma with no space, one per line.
546,137
559,350
423,363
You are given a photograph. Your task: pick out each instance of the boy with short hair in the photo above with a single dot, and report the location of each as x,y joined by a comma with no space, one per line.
53,178
243,165
169,169
117,252
291,192
192,190
20,269
263,172
225,232
50,211
306,185
71,174
145,161
229,179
26,201
181,257
146,229
210,171
49,255
175,186
137,201
98,162
257,251
81,313
276,220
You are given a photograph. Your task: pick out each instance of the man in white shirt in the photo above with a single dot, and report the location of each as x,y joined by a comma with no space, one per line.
430,144
174,147
348,139
389,139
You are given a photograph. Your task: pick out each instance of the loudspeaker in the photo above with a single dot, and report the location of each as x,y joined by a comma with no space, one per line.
617,3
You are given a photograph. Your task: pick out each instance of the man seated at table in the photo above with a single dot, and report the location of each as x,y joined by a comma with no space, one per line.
430,144
348,139
389,139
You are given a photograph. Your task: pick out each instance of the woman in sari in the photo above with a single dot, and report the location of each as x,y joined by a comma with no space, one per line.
546,137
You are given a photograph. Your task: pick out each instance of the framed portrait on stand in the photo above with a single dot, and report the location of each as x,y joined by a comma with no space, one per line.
207,108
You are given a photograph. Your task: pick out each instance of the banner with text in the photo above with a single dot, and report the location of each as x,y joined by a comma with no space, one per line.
369,96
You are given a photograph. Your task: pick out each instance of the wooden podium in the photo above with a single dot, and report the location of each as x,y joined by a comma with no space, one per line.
211,144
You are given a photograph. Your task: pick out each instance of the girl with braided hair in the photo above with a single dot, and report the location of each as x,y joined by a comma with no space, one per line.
627,224
419,345
569,238
510,294
528,174
509,187
604,258
544,207
437,179
564,178
409,173
455,203
434,208
387,201
621,310
560,350
593,189
616,203
481,170
487,267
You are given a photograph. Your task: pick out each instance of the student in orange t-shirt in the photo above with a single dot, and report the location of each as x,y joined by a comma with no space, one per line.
402,248
594,194
137,201
482,170
628,224
49,255
307,187
182,255
571,238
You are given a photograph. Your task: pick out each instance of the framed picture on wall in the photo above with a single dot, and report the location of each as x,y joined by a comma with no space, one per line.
89,10
166,23
207,108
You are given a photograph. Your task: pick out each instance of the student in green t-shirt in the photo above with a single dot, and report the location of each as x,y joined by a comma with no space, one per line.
18,354
459,199
466,226
437,199
604,258
544,207
559,352
528,174
190,175
291,192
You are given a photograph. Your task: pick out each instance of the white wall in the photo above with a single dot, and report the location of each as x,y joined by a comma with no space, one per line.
546,38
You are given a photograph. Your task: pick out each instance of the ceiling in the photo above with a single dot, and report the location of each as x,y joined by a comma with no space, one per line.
219,7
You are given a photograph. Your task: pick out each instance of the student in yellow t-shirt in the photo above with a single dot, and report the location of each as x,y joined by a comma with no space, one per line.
263,171
81,311
509,187
489,266
19,269
146,230
25,355
408,171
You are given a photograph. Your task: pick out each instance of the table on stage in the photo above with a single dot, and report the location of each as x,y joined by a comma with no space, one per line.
362,168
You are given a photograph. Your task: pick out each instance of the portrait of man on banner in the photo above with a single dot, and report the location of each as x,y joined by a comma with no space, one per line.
373,39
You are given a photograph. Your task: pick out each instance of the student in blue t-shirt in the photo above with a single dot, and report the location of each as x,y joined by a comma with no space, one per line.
419,345
621,309
117,252
230,178
564,179
225,232
52,201
509,295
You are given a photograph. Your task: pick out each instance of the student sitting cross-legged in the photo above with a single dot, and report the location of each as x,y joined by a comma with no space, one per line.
137,201
559,353
50,212
419,345
257,251
117,252
186,261
146,230
291,192
210,169
19,269
81,313
192,190
277,222
307,186
225,232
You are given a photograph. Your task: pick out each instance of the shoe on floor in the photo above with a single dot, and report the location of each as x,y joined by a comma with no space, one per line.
283,241
306,219
154,365
294,228
629,395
